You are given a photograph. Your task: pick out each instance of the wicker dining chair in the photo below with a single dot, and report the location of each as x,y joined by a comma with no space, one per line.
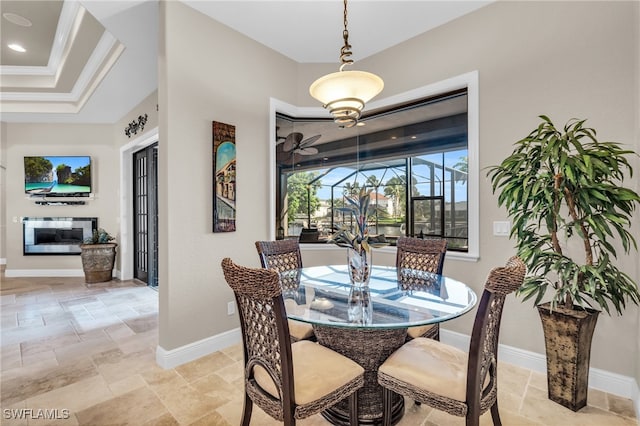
446,378
423,255
289,381
284,256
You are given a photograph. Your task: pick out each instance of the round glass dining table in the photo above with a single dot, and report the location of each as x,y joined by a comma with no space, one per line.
369,324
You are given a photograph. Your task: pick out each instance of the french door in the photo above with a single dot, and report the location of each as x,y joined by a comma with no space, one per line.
145,210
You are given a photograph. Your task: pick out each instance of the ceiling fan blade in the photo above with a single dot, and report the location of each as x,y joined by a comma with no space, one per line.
292,141
293,159
309,141
307,151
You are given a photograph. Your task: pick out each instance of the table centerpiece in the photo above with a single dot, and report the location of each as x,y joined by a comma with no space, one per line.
358,242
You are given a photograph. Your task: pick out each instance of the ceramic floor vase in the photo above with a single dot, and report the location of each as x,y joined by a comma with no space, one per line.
568,334
98,261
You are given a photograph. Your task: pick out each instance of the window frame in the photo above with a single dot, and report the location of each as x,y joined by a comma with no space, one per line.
469,81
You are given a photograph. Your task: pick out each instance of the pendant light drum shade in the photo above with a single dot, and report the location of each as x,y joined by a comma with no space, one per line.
344,93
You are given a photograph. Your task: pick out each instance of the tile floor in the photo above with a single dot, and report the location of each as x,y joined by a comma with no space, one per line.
86,356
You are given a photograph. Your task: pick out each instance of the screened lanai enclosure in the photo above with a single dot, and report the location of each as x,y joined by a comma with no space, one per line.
412,159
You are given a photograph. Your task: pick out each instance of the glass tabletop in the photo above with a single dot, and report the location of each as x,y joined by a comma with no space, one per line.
323,295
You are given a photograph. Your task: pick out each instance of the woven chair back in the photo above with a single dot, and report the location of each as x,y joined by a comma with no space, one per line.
283,256
265,331
417,259
483,349
280,255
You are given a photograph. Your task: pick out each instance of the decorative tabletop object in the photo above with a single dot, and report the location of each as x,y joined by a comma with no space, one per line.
358,243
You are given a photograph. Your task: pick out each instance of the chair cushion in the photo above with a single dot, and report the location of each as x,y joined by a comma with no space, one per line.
430,365
418,331
300,330
317,372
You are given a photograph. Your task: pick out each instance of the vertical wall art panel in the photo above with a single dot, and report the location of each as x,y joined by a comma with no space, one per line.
224,177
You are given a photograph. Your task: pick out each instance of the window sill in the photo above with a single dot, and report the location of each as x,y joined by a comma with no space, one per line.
452,255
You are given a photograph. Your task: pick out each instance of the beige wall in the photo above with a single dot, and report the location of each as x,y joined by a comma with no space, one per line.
208,73
101,142
563,59
58,139
148,106
3,192
636,182
564,71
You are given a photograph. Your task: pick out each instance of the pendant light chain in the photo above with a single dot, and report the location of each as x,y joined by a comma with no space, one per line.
344,93
345,52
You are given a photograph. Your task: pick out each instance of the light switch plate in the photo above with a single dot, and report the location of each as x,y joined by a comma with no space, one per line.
501,228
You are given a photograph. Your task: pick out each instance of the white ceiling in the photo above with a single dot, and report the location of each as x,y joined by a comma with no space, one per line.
311,31
304,30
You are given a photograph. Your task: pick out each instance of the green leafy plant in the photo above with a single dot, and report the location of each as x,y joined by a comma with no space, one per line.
99,236
563,190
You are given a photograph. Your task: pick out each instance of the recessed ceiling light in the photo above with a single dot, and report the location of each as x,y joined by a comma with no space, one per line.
17,47
361,123
14,18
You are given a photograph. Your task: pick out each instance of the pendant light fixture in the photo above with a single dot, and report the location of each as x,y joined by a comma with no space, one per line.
344,93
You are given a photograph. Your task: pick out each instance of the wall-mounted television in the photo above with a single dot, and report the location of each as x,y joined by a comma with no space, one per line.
57,176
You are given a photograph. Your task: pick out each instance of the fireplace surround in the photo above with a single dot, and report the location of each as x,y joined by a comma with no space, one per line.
56,235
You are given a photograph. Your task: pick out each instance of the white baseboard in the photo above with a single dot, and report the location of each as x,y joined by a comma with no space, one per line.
174,357
636,399
43,273
606,381
13,273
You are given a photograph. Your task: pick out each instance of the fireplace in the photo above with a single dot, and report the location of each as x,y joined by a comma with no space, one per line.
56,235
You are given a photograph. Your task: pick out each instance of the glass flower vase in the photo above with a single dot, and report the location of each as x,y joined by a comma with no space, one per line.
359,264
359,306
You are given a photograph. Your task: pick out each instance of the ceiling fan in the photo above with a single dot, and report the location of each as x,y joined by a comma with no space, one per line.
296,144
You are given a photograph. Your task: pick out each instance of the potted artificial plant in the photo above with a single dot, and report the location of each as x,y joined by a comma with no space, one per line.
358,242
564,192
98,256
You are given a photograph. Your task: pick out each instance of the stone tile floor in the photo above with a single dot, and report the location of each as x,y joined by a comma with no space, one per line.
86,356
